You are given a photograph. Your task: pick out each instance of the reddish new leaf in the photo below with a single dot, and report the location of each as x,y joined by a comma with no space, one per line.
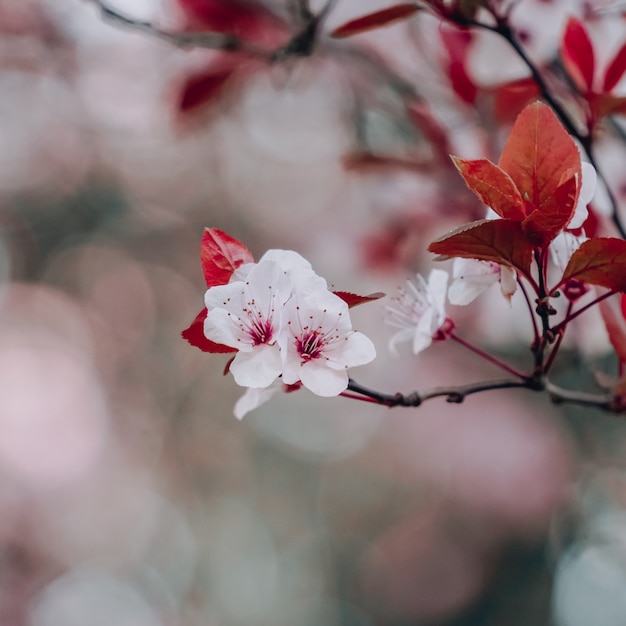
493,186
539,156
204,88
221,255
376,20
603,104
545,223
615,70
500,241
601,262
195,336
577,55
511,98
456,43
352,299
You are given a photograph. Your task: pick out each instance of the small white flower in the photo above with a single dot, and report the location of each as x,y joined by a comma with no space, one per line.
318,343
470,277
419,311
247,315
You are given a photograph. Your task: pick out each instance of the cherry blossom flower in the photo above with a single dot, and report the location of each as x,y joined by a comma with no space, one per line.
471,277
419,312
247,315
318,343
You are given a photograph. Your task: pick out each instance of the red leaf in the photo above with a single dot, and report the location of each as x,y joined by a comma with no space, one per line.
603,104
545,223
601,262
539,156
195,336
615,70
456,43
221,255
352,299
577,55
511,98
204,88
500,241
493,186
375,20
613,317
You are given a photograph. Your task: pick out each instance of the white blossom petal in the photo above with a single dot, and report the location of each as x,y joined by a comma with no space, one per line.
587,191
257,368
562,248
322,380
418,311
254,398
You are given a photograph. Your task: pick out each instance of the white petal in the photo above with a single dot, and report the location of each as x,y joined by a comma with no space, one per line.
437,288
223,328
508,281
322,380
406,334
253,398
421,341
587,191
562,248
470,278
258,368
426,327
355,349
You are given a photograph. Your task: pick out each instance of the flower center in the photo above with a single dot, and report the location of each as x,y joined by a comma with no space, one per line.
310,345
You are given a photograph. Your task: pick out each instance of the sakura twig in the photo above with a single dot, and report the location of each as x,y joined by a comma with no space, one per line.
531,309
213,41
457,394
488,357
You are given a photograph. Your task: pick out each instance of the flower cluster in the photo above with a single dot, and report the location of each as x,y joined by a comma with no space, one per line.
518,228
282,322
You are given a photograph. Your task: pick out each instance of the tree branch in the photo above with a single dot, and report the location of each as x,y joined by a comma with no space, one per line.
457,394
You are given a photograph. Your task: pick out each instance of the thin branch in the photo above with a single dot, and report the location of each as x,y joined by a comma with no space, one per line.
531,309
210,40
575,314
454,394
489,357
457,394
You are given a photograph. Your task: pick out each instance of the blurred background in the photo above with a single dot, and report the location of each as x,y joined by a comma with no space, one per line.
129,494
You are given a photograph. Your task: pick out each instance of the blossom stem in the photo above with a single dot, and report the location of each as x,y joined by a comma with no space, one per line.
574,315
557,343
489,357
531,310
